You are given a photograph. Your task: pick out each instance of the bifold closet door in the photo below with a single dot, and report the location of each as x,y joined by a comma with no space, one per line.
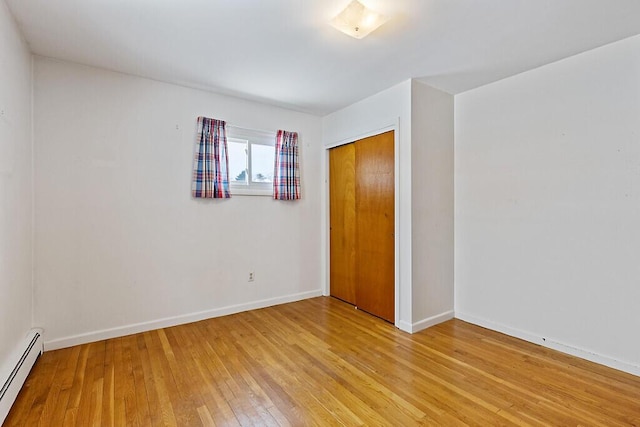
375,226
342,200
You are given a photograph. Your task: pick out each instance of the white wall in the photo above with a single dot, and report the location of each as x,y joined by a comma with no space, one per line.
547,205
16,262
432,141
120,244
380,111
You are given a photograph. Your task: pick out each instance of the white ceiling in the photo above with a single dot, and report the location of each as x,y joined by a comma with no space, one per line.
283,52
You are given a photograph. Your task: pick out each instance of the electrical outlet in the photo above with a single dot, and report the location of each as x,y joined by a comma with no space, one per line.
251,276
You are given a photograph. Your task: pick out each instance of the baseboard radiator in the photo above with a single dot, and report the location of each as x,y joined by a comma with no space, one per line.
17,374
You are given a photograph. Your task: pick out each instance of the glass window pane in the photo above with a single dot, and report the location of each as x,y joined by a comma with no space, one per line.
262,159
237,161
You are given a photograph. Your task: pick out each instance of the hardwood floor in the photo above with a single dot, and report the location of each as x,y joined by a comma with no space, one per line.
320,362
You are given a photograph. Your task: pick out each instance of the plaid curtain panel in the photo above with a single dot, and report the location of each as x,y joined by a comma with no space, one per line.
211,162
286,176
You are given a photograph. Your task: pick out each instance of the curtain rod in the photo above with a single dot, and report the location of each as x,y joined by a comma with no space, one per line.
252,129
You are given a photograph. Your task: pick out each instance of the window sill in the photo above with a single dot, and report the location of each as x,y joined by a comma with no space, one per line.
251,192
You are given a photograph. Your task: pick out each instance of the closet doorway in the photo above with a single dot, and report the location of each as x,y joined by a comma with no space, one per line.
362,224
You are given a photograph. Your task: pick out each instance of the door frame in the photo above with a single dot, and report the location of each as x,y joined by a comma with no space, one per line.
395,127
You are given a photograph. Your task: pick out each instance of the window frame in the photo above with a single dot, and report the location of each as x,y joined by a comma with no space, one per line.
251,137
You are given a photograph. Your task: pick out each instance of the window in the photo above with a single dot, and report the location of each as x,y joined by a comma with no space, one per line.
251,160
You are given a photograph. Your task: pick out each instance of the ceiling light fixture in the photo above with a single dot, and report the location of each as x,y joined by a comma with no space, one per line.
357,20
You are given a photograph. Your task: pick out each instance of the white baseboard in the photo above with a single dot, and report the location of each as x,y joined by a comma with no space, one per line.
554,345
424,323
14,372
431,321
173,321
404,326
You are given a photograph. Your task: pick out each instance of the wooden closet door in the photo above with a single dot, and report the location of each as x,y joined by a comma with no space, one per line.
375,226
342,200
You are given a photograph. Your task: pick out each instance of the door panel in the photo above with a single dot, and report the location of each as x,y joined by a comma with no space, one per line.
342,200
375,226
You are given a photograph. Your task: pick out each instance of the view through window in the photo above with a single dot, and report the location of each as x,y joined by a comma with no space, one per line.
251,160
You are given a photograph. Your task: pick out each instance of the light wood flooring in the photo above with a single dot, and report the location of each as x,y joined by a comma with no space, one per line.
321,362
